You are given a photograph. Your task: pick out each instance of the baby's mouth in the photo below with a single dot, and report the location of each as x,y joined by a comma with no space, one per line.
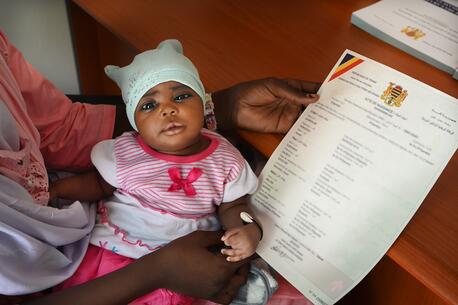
173,128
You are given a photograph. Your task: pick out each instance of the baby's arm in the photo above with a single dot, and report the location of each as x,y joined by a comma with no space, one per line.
243,239
89,186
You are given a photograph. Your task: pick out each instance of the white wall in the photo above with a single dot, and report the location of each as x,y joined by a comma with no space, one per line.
40,29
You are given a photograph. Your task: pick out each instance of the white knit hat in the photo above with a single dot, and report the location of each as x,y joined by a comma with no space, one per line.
151,68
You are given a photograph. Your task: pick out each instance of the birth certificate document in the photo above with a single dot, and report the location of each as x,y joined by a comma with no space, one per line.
350,174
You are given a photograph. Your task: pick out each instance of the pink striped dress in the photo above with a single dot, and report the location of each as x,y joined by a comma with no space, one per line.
162,197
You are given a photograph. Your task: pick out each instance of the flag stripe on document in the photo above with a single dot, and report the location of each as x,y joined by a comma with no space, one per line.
347,63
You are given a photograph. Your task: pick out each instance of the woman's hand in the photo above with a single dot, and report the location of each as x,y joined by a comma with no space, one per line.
265,105
186,265
191,269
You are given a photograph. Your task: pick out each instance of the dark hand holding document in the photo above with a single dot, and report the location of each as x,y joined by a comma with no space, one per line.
350,174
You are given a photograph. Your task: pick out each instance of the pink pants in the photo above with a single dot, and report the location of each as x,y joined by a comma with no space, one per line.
99,261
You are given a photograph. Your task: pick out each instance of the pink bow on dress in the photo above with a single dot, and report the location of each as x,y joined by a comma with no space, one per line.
185,184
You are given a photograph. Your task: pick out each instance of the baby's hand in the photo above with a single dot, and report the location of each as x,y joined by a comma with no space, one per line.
243,241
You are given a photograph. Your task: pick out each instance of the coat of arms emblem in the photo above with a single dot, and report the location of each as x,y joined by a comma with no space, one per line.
393,95
413,32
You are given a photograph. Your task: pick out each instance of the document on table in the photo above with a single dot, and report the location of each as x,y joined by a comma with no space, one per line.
427,29
350,174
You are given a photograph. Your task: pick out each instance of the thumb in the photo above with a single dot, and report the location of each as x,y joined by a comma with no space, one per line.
295,91
302,85
230,291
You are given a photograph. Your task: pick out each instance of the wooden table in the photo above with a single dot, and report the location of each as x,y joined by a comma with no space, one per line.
238,40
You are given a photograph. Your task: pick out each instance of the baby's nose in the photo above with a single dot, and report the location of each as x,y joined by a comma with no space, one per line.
169,111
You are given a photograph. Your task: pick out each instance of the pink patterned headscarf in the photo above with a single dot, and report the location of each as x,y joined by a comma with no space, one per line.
40,246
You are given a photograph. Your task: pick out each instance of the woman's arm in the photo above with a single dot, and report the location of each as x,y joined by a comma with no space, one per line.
67,131
177,266
89,186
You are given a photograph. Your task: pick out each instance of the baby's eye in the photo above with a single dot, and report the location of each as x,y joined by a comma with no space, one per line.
148,106
180,98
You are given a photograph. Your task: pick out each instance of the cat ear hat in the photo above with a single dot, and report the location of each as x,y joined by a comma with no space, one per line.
151,68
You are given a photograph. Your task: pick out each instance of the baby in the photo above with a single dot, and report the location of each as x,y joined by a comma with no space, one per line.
168,178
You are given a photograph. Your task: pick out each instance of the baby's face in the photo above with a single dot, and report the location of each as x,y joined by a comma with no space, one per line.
169,118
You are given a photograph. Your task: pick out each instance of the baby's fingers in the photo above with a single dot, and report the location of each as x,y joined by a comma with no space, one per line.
233,255
229,251
229,233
